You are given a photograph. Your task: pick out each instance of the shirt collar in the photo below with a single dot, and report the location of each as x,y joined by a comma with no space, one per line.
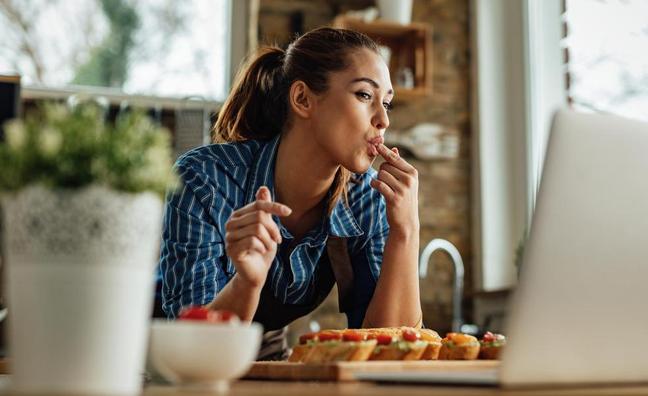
341,222
262,170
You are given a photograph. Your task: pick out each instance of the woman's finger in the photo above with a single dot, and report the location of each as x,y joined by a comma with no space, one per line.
274,208
394,171
383,189
255,217
393,158
257,230
391,181
263,194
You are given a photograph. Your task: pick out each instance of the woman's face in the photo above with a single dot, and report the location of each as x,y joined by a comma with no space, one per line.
351,116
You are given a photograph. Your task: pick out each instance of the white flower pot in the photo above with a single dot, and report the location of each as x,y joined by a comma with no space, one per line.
80,280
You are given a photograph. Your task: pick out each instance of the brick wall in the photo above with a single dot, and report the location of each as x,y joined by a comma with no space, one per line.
444,184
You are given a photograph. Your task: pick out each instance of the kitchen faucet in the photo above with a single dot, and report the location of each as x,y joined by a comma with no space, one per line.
457,291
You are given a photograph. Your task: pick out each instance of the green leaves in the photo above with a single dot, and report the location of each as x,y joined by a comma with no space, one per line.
65,147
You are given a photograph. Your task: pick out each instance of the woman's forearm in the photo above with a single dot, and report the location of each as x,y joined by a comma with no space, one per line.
239,297
396,300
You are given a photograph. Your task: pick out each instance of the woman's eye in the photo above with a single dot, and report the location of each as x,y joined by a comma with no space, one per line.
367,96
363,95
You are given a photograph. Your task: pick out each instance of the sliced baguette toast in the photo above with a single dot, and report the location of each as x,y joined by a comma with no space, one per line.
458,346
491,346
433,340
390,343
337,346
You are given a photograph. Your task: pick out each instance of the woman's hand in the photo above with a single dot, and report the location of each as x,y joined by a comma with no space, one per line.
251,237
398,182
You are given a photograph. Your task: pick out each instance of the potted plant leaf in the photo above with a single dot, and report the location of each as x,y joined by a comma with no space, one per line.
82,202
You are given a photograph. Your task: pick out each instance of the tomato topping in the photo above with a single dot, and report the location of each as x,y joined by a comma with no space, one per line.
489,337
411,335
307,337
193,313
329,336
353,336
383,339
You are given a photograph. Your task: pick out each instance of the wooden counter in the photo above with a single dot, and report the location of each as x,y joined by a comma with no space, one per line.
295,388
285,388
353,388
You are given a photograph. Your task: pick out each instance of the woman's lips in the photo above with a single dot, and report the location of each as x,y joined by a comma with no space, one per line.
372,145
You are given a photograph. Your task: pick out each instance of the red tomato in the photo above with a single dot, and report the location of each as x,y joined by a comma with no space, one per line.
489,337
303,339
383,339
411,335
329,336
353,336
207,315
193,313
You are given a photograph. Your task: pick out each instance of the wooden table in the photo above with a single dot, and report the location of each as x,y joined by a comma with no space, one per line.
296,388
291,388
326,388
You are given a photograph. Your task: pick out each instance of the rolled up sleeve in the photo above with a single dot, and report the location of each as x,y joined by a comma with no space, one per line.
193,264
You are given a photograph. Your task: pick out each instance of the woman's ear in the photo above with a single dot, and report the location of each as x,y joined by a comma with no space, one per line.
301,99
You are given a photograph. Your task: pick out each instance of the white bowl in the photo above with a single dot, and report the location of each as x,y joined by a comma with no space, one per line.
203,354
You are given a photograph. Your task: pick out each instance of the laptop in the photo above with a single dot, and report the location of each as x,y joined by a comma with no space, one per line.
578,314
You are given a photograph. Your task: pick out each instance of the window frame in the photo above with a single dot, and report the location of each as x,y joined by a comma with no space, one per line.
242,37
519,81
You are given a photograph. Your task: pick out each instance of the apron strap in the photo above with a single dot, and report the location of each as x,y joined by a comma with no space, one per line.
341,264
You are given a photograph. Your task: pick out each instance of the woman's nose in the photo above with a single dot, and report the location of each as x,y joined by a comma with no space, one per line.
381,119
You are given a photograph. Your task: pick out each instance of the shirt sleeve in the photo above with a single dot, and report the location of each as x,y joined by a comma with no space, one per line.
366,262
193,263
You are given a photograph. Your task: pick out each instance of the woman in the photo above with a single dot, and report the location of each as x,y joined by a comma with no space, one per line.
287,203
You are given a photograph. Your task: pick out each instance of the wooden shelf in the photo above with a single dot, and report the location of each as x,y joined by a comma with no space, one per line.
12,79
410,46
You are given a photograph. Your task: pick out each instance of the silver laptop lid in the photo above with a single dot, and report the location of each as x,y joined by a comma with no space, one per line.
579,313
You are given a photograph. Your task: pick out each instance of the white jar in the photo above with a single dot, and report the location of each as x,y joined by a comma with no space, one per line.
396,10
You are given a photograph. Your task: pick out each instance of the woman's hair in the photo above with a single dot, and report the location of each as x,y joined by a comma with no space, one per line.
257,107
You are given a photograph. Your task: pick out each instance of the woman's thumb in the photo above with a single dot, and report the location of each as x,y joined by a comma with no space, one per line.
263,194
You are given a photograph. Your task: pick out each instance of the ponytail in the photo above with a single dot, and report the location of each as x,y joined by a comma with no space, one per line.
257,107
340,189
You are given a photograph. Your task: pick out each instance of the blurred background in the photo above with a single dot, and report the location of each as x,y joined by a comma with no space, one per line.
476,82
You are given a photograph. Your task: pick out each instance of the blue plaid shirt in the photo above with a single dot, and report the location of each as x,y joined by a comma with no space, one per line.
220,178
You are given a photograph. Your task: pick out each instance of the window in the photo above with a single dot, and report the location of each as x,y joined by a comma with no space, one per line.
519,79
155,47
520,74
608,61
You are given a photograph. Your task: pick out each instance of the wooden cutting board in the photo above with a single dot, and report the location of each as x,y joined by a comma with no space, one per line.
346,371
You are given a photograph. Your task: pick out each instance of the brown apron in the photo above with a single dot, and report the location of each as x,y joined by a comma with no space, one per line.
334,266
